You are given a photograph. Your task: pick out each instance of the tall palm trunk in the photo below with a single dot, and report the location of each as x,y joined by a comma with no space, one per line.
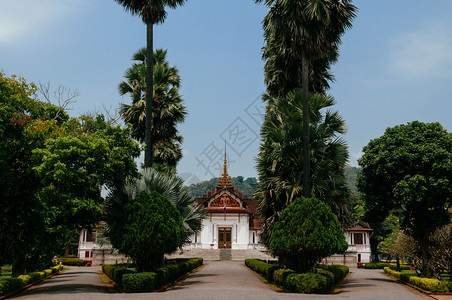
149,151
306,142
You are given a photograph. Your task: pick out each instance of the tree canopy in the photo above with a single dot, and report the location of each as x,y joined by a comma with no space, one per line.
306,232
147,227
408,171
53,168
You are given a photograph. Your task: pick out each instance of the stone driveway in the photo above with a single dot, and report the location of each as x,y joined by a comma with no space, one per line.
217,280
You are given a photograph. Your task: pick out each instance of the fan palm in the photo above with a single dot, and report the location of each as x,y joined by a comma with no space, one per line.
171,186
168,107
151,12
281,157
302,31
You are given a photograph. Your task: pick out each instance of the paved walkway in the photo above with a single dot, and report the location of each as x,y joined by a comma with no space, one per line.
218,280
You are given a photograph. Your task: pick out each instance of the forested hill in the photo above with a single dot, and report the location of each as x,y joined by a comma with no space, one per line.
245,186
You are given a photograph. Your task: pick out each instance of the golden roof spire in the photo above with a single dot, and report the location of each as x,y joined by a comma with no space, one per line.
225,181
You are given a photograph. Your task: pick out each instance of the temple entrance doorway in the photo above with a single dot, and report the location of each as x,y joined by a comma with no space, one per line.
224,237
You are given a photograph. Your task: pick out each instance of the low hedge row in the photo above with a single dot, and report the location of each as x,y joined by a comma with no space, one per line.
382,265
133,282
8,285
319,282
72,261
428,284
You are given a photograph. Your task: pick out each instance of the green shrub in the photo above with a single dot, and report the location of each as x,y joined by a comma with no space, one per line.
393,273
307,283
140,282
34,276
25,279
8,285
116,271
328,275
339,271
48,272
433,285
405,276
69,261
261,267
280,276
382,265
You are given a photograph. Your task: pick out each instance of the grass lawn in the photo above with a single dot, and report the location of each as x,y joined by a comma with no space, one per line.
6,271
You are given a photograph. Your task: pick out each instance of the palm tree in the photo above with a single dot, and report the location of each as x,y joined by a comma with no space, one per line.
167,185
281,157
305,30
168,110
151,12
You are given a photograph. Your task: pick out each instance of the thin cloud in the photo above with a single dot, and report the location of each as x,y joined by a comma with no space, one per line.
19,19
426,53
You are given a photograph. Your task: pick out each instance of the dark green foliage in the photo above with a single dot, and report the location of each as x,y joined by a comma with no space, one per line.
246,187
307,283
140,282
405,276
382,265
262,267
328,275
306,232
69,261
407,172
280,160
8,285
280,276
133,282
339,271
145,228
116,271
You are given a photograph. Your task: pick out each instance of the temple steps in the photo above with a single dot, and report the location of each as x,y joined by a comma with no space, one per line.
222,254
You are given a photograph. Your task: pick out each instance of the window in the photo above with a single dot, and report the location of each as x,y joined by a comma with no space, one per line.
358,238
90,236
86,253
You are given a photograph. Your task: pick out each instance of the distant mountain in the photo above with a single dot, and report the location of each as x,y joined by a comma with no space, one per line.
350,174
245,186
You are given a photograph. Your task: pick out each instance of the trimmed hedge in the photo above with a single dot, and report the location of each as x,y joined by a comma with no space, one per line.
72,261
382,265
280,276
140,282
8,285
433,285
319,282
339,271
261,267
307,283
133,282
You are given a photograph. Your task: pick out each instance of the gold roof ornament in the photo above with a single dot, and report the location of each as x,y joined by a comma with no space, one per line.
225,181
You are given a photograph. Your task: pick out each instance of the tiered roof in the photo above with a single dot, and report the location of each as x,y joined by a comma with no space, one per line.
225,181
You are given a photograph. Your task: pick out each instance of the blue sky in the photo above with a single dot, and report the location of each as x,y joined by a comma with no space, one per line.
395,67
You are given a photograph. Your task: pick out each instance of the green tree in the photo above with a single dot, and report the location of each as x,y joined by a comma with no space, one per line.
148,227
151,12
306,232
52,170
168,109
408,170
301,35
167,185
281,158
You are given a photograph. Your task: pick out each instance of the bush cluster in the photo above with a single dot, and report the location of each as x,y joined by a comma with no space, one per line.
382,265
432,285
133,282
72,261
307,283
8,285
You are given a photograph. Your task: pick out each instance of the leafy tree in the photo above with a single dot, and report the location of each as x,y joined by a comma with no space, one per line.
146,228
299,36
306,232
168,109
52,170
166,185
408,170
151,12
281,158
441,250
